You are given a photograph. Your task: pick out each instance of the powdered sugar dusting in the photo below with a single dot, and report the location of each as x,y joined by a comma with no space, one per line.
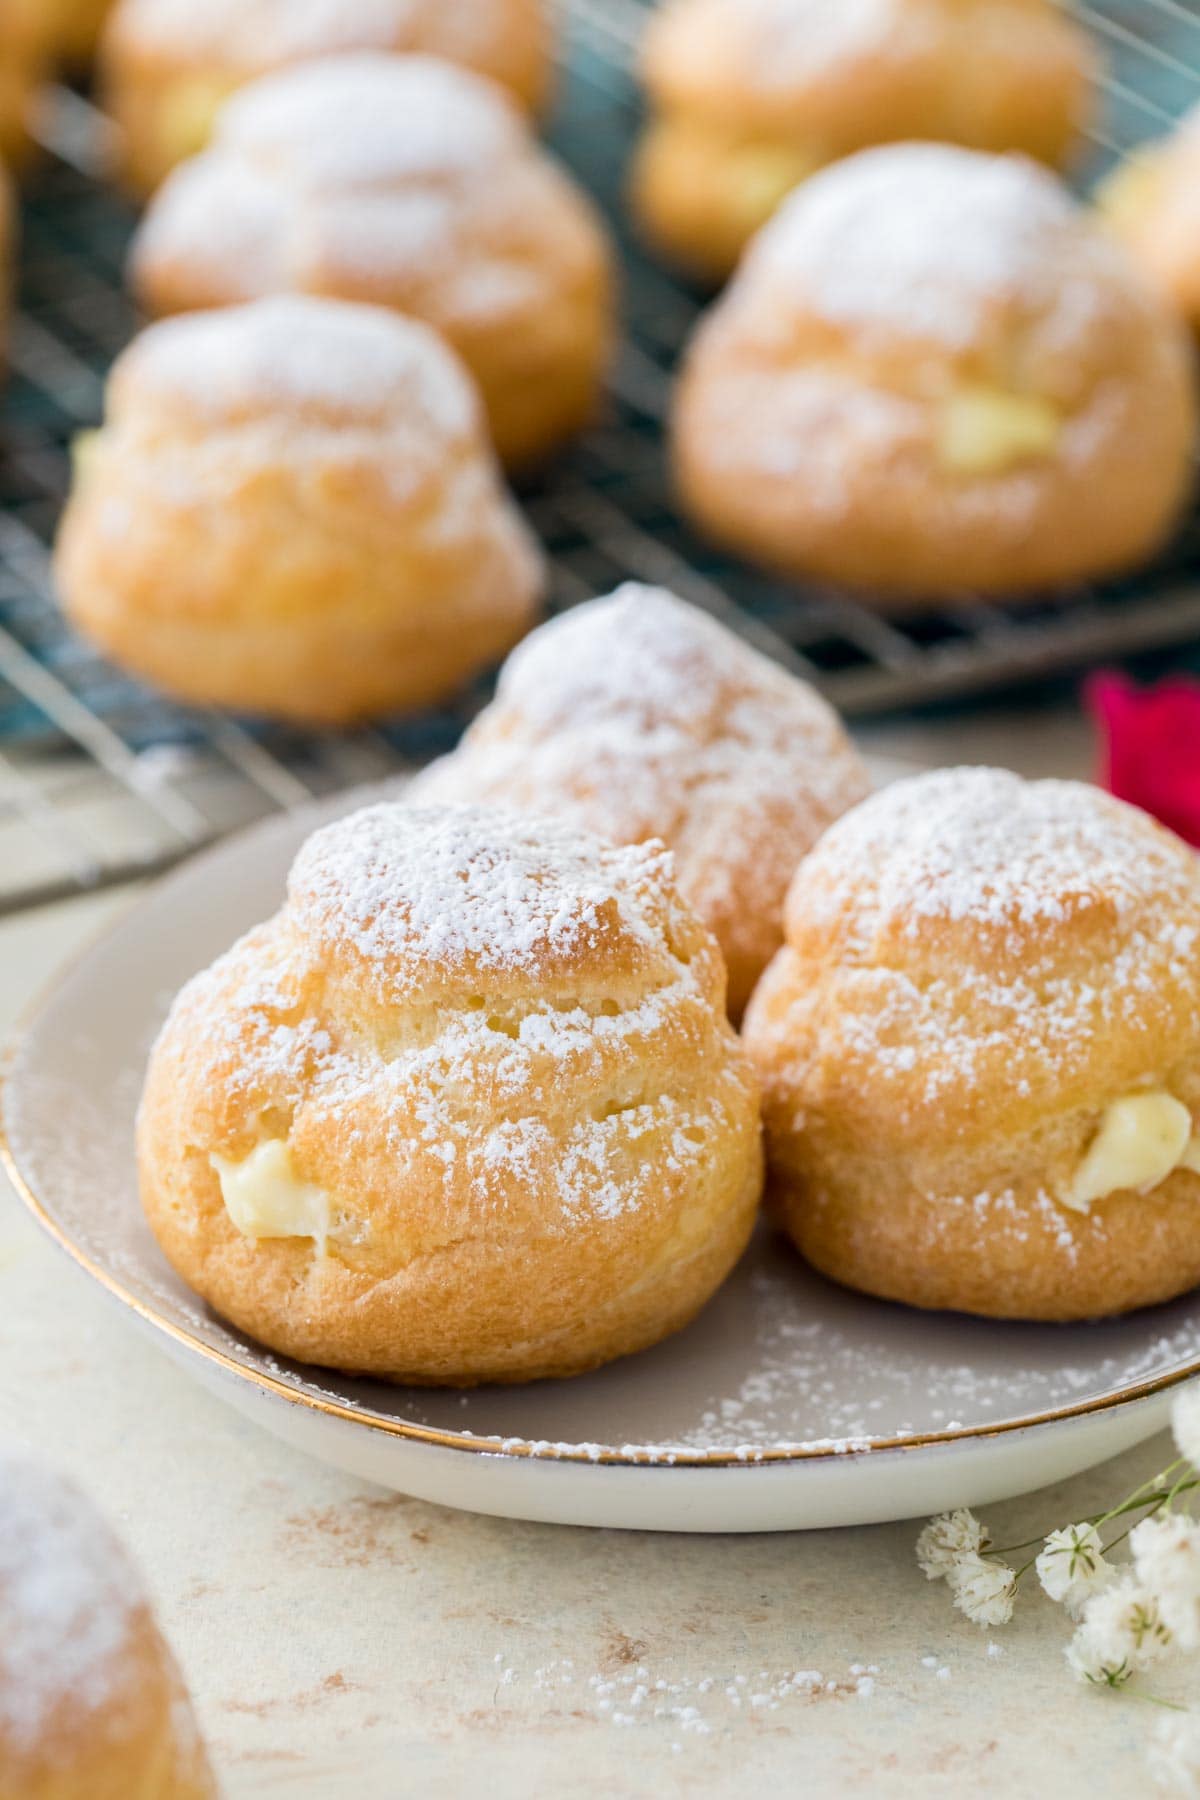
639,716
468,887
929,241
413,117
66,1596
256,33
348,364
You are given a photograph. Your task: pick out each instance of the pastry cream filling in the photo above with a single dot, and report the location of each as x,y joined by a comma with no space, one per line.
187,112
265,1197
1129,191
1142,1139
762,175
984,431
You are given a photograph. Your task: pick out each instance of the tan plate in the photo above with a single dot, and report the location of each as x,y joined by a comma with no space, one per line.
788,1403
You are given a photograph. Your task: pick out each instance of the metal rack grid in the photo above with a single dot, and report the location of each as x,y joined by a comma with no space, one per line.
101,780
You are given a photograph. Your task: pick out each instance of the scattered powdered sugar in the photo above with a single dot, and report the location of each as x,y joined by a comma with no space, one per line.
929,240
351,364
256,33
67,1592
476,888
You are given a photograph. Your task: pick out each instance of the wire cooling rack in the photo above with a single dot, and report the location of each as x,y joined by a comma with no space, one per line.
101,780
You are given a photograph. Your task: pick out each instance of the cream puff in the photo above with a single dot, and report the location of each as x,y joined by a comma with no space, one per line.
414,185
749,97
1152,202
169,65
70,29
638,717
935,374
92,1706
466,1109
292,509
980,1050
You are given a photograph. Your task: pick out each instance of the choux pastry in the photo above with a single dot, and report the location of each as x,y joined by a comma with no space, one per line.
637,717
415,185
980,1050
935,374
168,66
92,1706
466,1109
292,509
749,97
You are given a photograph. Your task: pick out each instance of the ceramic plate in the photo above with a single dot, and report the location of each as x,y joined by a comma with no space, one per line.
788,1403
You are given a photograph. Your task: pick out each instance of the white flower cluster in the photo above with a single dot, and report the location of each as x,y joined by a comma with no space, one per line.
953,1548
1127,1619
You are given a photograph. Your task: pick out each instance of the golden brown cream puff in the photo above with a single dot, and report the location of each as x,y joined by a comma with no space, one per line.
169,65
415,185
92,1706
1153,203
749,97
24,64
935,374
980,1050
468,1108
293,509
70,29
638,717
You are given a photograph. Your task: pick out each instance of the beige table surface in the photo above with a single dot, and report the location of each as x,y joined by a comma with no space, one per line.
341,1641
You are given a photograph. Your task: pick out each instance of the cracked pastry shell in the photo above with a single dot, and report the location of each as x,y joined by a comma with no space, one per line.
637,716
980,1050
292,509
935,374
411,184
466,1109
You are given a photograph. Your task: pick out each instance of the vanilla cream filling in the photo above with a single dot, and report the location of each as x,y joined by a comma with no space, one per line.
187,113
1141,1139
984,430
265,1198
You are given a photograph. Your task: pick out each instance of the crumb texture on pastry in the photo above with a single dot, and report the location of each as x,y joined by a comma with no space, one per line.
637,716
750,97
498,1048
91,1703
292,509
979,974
409,183
935,372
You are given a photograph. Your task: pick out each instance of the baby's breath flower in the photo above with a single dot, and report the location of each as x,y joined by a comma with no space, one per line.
1166,1555
1072,1568
1122,1631
947,1539
1185,1422
1174,1754
983,1589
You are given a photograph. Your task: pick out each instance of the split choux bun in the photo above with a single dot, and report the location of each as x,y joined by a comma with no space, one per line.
935,374
980,1050
412,184
92,1706
292,509
749,97
639,717
466,1109
1153,204
168,66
